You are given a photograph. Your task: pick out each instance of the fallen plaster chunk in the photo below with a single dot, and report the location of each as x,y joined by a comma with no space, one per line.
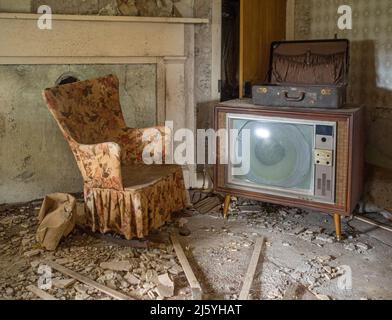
328,269
107,276
151,275
81,296
131,279
324,238
363,246
165,286
350,247
124,284
33,253
116,265
324,259
176,269
82,288
358,247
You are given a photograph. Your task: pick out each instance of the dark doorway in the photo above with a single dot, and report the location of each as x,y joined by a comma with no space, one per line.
230,49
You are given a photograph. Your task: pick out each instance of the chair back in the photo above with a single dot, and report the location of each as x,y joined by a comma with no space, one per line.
87,112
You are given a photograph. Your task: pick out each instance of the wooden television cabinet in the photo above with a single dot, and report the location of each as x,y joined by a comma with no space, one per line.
349,158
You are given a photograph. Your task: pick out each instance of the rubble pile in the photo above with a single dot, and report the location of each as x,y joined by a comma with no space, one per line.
139,273
155,273
273,219
316,272
280,219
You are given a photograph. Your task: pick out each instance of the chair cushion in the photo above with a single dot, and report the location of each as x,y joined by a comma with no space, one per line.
137,177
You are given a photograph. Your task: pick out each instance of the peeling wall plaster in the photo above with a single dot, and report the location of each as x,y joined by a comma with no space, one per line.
34,157
27,130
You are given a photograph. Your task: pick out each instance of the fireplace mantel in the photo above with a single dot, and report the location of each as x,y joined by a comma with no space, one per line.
166,42
65,17
90,39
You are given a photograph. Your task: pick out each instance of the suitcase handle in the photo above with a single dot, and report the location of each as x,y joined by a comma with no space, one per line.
301,97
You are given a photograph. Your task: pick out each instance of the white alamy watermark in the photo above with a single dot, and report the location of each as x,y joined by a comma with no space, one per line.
188,148
345,21
45,278
345,281
45,20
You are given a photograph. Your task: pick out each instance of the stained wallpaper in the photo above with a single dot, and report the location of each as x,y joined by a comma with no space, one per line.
370,82
371,61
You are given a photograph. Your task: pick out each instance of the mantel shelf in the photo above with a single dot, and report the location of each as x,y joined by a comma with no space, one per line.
62,17
92,39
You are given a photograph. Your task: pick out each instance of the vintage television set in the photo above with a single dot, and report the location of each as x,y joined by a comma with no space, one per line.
307,158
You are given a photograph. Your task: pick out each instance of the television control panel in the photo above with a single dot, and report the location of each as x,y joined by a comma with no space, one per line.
324,157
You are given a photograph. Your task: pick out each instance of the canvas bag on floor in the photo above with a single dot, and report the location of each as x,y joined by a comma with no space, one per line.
56,219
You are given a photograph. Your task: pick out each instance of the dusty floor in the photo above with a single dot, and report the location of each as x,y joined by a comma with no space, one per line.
301,259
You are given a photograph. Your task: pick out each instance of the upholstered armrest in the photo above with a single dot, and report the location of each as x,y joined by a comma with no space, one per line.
100,165
133,144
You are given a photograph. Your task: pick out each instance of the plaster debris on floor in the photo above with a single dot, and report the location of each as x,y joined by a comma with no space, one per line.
300,260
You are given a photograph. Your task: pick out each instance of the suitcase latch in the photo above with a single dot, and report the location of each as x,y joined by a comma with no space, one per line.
263,90
326,92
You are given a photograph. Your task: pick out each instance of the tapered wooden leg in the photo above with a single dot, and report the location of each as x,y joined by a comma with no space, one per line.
226,206
338,225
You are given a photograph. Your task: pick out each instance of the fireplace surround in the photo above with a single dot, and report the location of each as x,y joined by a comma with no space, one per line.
166,43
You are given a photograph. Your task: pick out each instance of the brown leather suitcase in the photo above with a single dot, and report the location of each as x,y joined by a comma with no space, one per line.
307,74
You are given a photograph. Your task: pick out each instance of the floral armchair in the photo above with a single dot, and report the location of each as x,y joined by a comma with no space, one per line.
122,194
